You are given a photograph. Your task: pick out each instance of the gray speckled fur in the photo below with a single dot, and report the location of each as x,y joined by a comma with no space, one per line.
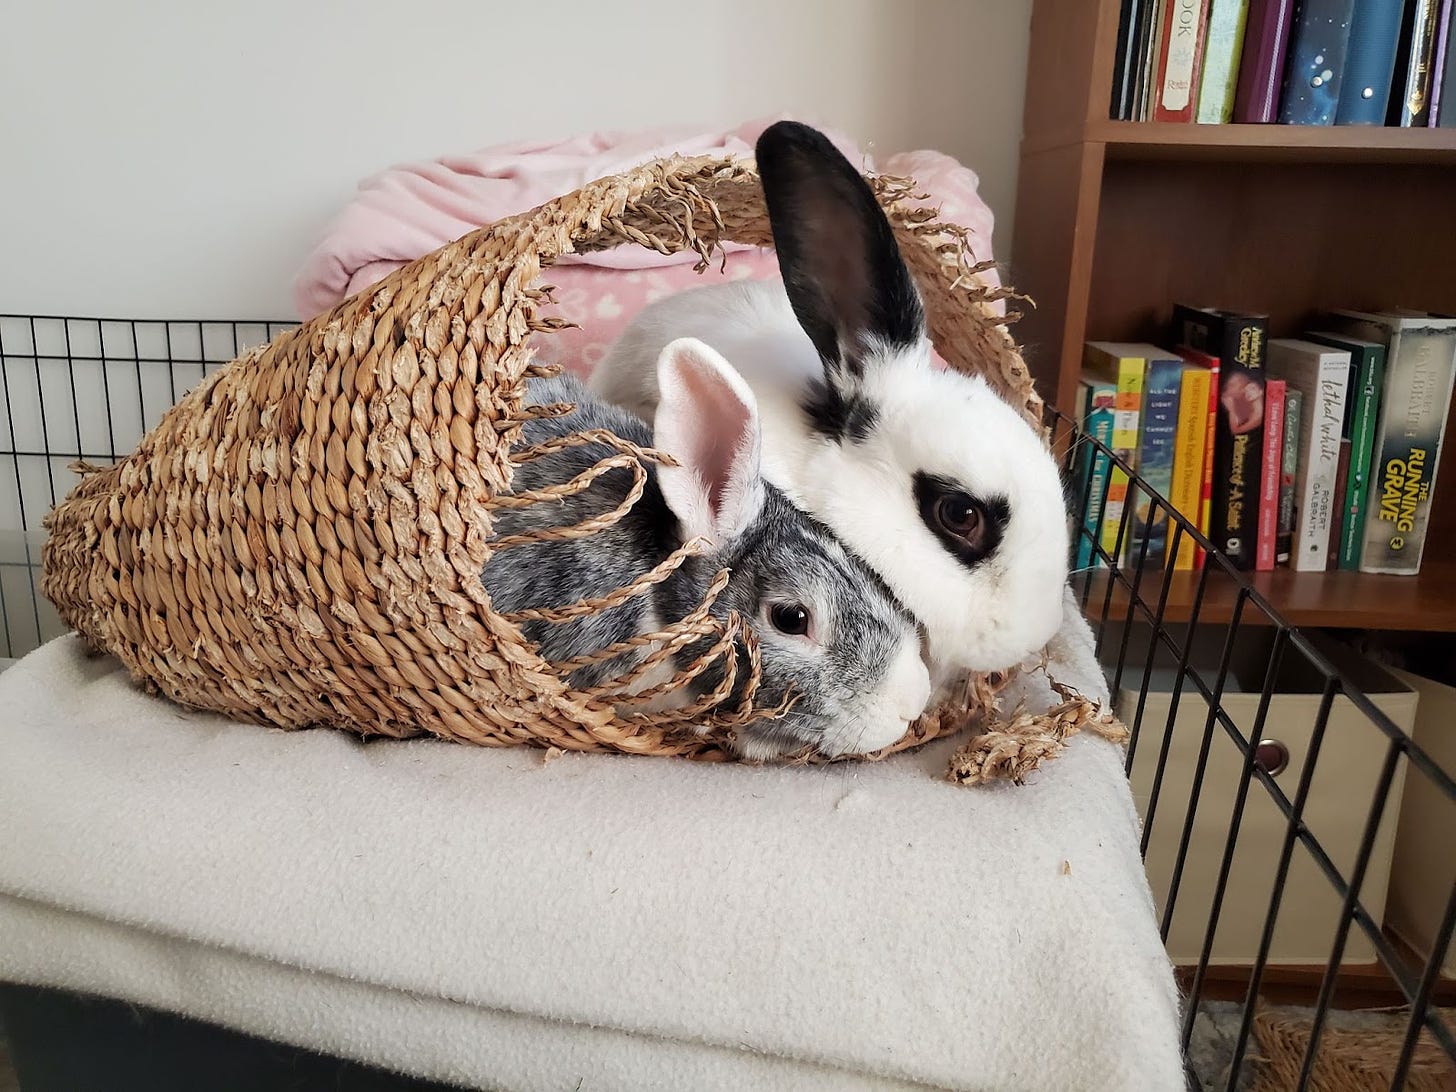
784,555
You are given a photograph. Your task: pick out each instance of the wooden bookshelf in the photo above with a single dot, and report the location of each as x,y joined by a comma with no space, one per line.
1425,603
1305,144
1116,220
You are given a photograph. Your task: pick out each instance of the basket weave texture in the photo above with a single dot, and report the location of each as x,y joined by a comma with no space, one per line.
299,541
1348,1059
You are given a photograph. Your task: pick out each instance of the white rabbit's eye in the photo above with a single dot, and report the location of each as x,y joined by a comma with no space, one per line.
790,618
961,515
969,527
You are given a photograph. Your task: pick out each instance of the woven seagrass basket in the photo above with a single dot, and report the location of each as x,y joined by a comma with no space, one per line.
299,540
1349,1059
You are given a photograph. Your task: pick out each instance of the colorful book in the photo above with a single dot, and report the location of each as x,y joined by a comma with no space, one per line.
1238,342
1444,114
1148,46
1180,60
1122,365
1288,471
1362,416
1420,365
1410,95
1210,435
1274,391
1097,407
1189,456
1162,391
1316,64
1370,62
1441,60
1261,71
1223,44
1321,374
1339,516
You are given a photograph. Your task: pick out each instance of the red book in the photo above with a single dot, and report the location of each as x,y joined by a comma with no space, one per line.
1274,391
1205,511
1180,59
1261,71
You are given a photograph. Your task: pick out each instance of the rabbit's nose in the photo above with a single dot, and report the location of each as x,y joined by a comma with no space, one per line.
909,682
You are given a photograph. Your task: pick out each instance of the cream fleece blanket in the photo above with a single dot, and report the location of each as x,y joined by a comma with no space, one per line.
496,920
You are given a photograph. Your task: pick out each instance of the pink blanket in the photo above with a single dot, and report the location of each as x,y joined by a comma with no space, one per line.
408,211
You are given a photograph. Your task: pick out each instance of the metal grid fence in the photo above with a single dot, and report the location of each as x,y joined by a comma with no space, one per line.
1200,665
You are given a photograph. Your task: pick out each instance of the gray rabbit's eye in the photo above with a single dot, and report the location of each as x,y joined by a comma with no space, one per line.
790,618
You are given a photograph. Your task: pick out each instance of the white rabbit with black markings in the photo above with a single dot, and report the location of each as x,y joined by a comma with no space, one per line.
830,633
927,474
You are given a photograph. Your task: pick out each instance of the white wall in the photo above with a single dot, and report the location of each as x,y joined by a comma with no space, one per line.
179,158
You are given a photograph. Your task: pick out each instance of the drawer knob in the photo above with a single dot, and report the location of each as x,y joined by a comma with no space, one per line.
1271,756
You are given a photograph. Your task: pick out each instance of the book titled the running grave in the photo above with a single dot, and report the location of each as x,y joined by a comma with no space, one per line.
1420,366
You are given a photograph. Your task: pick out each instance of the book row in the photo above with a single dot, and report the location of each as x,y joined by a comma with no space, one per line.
1298,62
1316,452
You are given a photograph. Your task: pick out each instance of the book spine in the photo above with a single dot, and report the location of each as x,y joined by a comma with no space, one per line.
1210,443
1440,68
1149,544
1413,79
1445,117
1288,471
1370,62
1261,72
1182,48
1223,44
1148,59
1274,397
1125,420
1319,458
1120,109
1419,366
1099,426
1238,342
1188,459
1316,63
1339,515
1366,393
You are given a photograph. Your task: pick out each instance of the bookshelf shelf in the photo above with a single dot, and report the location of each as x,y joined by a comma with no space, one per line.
1310,144
1424,603
1117,220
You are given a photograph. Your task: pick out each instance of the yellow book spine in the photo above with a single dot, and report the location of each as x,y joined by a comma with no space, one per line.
1128,406
1126,410
1188,457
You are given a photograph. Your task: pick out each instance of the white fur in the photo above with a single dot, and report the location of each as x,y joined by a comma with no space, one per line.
939,422
708,419
710,423
906,693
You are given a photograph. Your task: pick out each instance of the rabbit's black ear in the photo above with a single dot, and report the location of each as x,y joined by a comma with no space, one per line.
842,268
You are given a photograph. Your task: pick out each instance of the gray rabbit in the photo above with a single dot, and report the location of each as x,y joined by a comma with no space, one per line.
830,631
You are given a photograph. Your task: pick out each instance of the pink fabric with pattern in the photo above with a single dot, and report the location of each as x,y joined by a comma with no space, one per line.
408,211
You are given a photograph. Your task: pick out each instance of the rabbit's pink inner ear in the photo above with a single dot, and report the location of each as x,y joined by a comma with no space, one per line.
707,419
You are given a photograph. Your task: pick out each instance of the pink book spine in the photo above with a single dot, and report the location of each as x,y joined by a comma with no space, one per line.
1274,391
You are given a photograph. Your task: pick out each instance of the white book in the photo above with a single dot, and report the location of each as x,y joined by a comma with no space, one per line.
1322,374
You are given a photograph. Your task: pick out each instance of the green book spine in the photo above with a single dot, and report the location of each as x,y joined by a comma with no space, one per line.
1224,45
1288,471
1362,419
1362,454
